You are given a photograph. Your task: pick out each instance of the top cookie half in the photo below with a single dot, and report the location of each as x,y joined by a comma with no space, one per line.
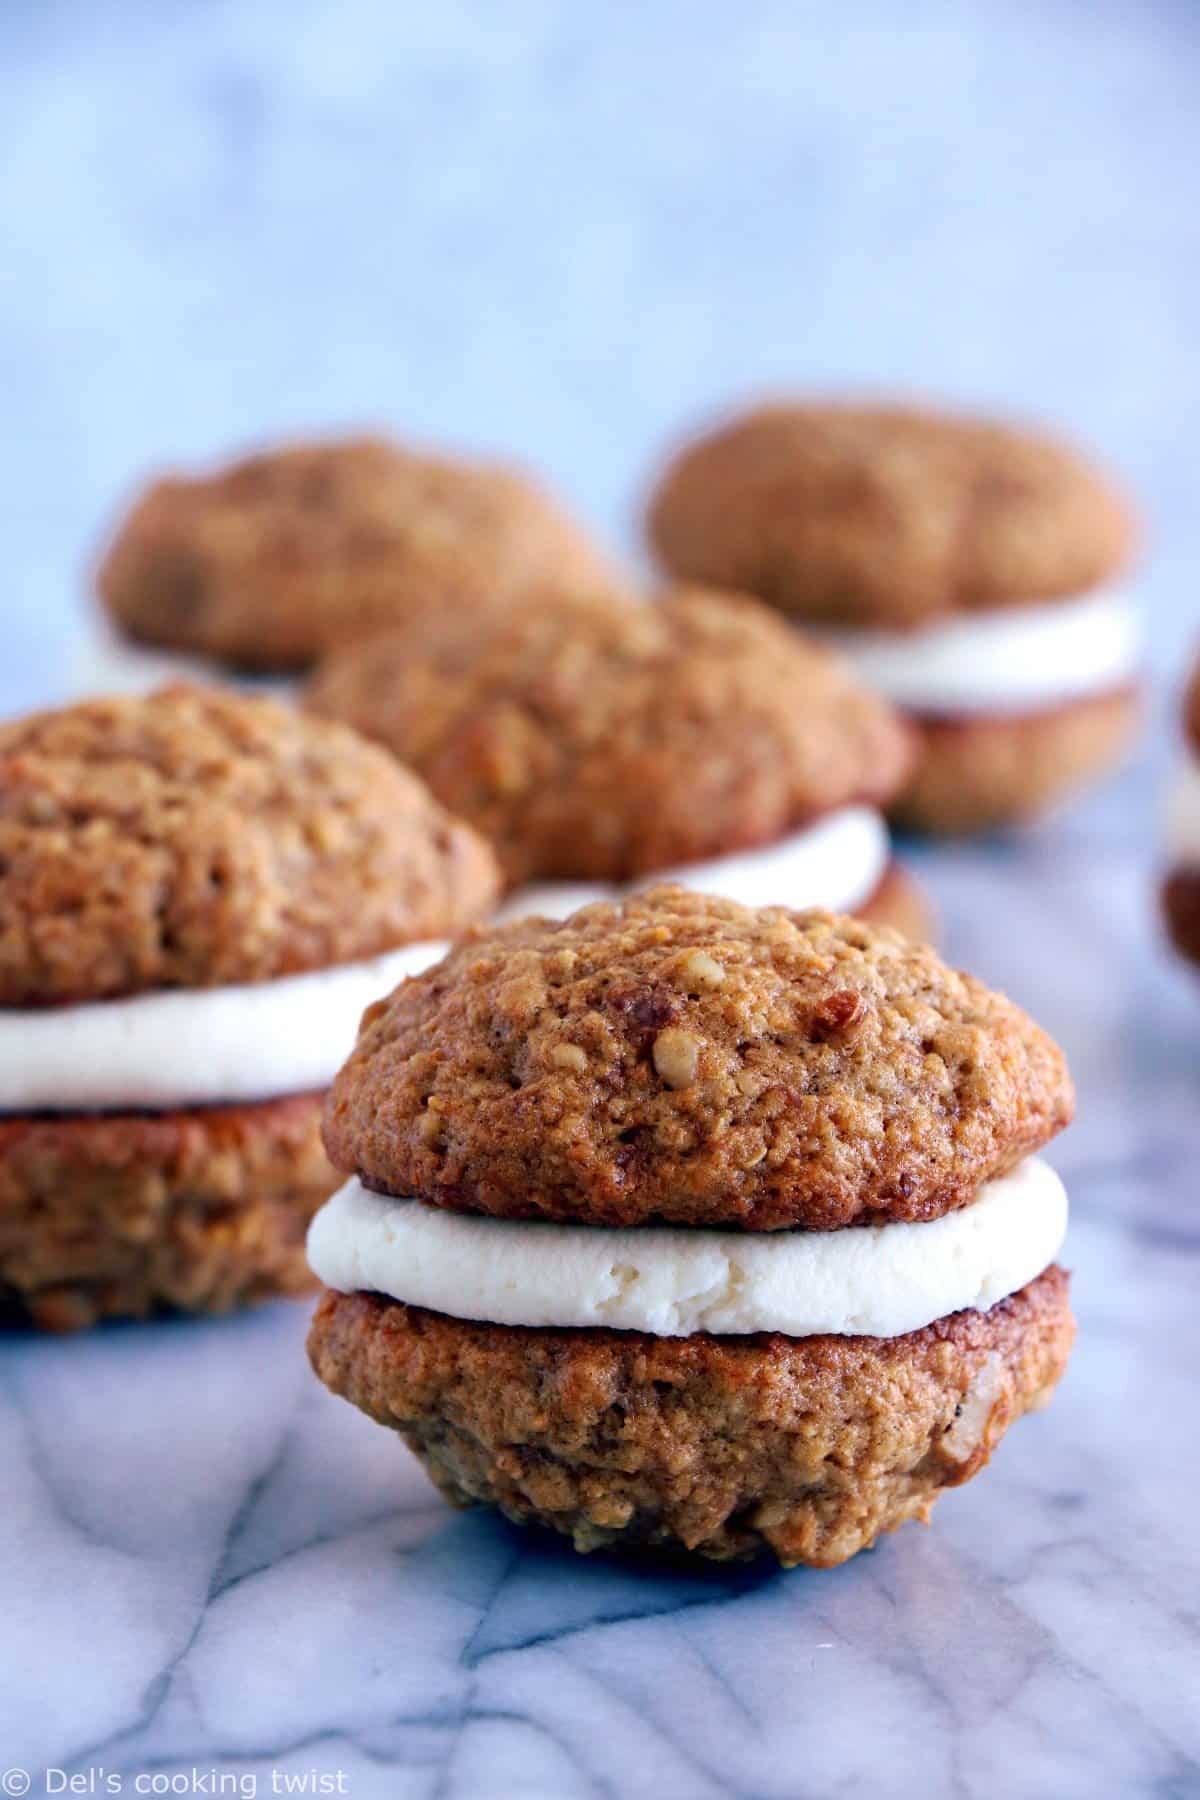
886,516
270,561
195,838
613,740
684,1059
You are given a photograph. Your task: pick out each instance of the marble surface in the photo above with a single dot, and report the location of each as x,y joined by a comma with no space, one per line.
562,231
211,1565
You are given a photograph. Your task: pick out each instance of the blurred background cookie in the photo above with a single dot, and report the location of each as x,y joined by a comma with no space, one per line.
697,740
199,893
269,562
967,567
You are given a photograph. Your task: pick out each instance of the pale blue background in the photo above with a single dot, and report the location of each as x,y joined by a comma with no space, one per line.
567,230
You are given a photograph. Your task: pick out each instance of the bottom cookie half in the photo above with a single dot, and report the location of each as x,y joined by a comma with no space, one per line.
122,1215
977,773
805,1447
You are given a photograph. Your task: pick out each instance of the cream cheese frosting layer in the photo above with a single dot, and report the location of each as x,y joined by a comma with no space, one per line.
1016,659
195,1046
836,862
872,1281
1182,822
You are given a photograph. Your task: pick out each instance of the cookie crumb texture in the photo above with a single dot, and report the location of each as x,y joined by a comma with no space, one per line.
197,838
976,774
618,739
272,561
835,1074
886,515
129,1215
808,1448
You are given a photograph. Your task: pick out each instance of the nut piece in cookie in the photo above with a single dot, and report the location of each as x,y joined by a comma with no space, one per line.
968,568
273,560
684,1224
199,893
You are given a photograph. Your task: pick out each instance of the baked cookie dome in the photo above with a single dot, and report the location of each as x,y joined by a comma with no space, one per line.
195,837
615,741
886,515
689,1121
186,879
966,568
684,1059
274,559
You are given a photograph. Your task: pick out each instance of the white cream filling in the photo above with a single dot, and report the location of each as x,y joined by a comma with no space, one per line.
1182,821
876,1281
838,862
195,1046
102,662
1015,659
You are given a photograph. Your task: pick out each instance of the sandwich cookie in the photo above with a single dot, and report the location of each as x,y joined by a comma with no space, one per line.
269,562
199,894
969,569
698,740
690,1225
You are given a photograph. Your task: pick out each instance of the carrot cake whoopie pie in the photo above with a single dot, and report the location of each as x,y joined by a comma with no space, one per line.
696,740
967,568
267,563
199,893
684,1224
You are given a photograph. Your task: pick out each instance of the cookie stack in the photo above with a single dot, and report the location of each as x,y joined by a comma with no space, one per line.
967,568
199,893
698,739
268,563
687,1225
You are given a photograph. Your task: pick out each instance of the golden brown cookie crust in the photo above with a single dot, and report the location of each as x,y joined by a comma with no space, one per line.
682,1059
195,838
124,1215
974,774
808,1448
886,515
619,740
274,559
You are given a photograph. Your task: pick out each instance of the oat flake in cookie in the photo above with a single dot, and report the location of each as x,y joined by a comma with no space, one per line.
688,1225
970,570
696,739
199,894
271,561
